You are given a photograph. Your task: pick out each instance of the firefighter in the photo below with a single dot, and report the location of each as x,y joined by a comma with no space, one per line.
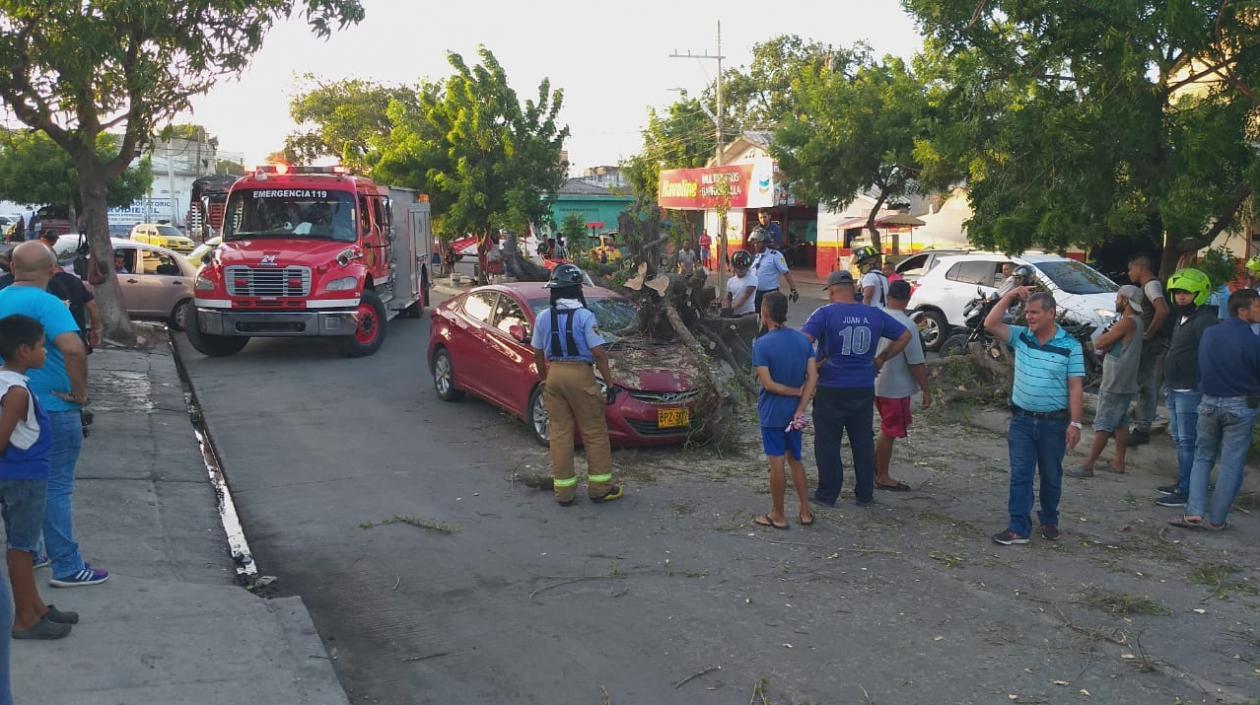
566,344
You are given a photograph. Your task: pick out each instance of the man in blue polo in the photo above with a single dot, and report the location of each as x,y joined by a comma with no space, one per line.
1047,404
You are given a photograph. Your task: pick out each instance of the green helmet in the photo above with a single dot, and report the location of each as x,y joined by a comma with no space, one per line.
1193,281
863,254
1253,266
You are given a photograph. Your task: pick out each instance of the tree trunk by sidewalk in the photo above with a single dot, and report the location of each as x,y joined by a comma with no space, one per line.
93,187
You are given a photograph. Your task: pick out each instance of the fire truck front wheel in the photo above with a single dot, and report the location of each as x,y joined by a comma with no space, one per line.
212,345
370,334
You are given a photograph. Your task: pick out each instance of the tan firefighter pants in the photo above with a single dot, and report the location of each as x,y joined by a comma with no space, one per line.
573,397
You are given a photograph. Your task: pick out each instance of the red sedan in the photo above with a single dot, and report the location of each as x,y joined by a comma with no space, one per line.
479,344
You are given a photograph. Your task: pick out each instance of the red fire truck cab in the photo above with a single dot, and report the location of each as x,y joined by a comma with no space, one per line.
312,251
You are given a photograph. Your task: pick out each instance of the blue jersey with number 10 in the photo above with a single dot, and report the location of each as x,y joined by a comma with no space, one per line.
848,338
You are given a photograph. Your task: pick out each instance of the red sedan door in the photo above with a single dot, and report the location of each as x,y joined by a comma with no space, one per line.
470,360
511,360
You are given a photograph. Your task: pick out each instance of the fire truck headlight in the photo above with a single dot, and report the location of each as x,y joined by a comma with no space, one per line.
342,284
203,284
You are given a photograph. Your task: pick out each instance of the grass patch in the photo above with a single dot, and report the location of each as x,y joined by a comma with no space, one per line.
1219,577
1121,604
419,522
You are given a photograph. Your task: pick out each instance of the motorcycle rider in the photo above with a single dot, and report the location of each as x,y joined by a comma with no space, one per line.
566,344
741,289
1190,290
768,265
874,284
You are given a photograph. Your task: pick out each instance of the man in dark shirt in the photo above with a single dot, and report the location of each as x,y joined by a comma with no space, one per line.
1190,290
77,297
1229,376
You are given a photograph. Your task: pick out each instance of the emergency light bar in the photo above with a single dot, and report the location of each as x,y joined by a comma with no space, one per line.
282,169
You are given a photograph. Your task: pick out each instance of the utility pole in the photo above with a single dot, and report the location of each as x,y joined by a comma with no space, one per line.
717,152
170,179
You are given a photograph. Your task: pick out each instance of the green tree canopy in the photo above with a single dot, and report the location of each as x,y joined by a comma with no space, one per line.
853,128
1116,122
75,69
33,169
347,119
486,159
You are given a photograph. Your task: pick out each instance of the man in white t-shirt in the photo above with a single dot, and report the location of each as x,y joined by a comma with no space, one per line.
898,379
741,289
874,284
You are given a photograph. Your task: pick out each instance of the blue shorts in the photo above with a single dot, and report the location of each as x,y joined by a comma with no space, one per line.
777,442
22,503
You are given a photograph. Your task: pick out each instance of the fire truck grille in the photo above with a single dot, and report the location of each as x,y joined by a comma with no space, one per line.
268,283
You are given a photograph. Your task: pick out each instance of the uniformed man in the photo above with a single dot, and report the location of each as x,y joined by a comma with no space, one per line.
566,345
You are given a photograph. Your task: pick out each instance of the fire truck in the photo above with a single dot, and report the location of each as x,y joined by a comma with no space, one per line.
312,251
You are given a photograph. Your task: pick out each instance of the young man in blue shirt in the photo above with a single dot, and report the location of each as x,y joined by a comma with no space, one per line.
786,370
1229,378
848,334
1047,404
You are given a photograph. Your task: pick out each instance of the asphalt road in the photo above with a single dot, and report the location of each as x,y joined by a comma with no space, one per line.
507,598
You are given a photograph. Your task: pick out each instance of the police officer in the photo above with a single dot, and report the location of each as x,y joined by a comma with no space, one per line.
768,265
566,344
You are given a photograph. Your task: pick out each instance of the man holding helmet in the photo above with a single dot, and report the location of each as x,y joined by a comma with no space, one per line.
566,344
1190,290
874,284
768,265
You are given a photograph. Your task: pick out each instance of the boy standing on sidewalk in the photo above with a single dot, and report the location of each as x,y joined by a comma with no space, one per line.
25,449
1123,345
787,372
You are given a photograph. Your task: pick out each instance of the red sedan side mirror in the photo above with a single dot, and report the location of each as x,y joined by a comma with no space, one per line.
518,333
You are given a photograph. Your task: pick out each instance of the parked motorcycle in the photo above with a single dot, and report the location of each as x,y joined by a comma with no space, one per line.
973,330
1084,334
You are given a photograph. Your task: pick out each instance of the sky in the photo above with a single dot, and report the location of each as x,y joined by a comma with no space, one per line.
611,60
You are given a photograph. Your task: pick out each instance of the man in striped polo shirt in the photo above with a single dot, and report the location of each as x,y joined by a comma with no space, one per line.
1047,404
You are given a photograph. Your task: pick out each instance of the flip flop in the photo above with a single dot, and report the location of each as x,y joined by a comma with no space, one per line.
1079,472
764,520
1209,526
1184,522
897,486
803,522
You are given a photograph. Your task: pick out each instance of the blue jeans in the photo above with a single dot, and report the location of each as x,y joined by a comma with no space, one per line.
835,412
67,441
1036,447
1183,421
1225,425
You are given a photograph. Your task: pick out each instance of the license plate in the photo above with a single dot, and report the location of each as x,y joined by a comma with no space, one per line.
673,418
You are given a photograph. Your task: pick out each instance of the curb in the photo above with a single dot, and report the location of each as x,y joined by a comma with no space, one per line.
318,681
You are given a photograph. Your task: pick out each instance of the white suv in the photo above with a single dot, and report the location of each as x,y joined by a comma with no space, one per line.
1079,290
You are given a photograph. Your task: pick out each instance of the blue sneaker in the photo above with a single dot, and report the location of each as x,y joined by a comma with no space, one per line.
87,576
40,562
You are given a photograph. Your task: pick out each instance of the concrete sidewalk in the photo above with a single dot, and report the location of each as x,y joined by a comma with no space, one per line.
171,625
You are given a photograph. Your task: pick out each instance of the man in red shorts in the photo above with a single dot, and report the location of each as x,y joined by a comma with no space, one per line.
894,387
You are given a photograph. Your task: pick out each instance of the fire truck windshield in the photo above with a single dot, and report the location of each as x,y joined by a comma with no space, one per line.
290,213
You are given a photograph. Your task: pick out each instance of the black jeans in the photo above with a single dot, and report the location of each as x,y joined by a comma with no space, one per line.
836,411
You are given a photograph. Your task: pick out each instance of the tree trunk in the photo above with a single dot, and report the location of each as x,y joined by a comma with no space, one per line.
870,220
93,187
